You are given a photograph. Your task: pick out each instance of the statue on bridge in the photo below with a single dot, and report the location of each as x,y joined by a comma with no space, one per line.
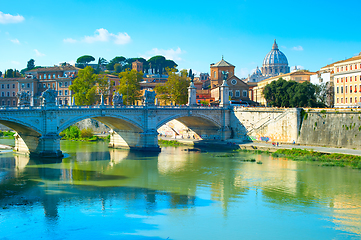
117,99
149,98
48,97
23,99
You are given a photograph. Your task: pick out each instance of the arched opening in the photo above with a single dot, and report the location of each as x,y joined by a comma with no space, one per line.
190,127
26,137
124,132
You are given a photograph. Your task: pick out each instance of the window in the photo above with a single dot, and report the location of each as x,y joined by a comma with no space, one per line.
8,86
230,93
337,90
13,94
341,69
346,68
337,100
48,85
351,79
338,69
60,93
337,80
66,92
350,89
341,79
40,77
355,66
238,94
8,102
8,94
44,76
14,103
66,101
65,84
49,76
60,101
345,89
341,100
345,100
2,94
350,67
214,74
341,89
355,88
3,102
60,84
22,85
346,79
53,85
244,93
28,85
44,85
355,99
39,85
54,76
13,85
2,86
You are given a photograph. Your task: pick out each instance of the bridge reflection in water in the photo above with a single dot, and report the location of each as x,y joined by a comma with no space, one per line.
95,181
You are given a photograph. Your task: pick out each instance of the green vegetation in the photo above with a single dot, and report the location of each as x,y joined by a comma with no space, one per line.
334,159
74,133
7,134
176,88
129,86
88,86
282,93
172,143
85,59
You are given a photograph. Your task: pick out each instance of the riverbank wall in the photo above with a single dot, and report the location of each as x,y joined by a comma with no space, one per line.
331,128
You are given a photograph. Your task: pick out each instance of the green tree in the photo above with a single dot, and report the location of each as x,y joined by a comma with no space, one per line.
158,63
120,60
31,64
129,86
1,73
117,68
282,93
85,87
85,59
176,88
9,73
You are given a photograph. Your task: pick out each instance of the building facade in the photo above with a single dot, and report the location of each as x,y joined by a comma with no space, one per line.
216,72
347,82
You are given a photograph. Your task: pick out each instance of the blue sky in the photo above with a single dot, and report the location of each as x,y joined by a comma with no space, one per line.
195,34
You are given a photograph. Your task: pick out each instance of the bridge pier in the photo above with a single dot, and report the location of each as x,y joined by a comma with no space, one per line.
47,146
141,141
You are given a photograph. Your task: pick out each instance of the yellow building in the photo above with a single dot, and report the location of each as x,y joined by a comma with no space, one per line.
298,76
347,82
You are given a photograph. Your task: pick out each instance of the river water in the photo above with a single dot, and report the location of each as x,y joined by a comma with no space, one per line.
101,193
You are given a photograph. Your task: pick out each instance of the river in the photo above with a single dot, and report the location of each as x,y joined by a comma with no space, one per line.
101,193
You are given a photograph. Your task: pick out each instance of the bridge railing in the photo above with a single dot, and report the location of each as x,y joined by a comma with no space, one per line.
7,108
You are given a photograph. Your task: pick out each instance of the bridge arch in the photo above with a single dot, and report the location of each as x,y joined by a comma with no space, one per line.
112,121
206,127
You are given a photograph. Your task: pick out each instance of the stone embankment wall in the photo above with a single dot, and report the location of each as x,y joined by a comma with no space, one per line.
331,128
265,124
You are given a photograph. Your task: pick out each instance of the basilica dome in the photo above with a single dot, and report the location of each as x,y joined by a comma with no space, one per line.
275,62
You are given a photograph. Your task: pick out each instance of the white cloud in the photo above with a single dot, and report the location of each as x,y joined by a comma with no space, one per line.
103,35
39,54
15,62
167,53
6,18
69,40
298,48
16,41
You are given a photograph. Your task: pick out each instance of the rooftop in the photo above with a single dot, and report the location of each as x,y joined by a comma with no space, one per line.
222,63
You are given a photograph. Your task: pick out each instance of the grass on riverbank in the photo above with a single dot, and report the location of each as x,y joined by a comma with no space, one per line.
169,143
334,159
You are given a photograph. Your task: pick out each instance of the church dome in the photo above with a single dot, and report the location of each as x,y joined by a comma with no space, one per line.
275,57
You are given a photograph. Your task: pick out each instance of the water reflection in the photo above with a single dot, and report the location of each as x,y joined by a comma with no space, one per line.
99,181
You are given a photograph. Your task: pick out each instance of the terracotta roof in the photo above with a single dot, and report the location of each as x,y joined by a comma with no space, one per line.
358,57
222,63
55,69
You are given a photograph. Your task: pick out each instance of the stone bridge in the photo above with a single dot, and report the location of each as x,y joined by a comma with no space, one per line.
132,127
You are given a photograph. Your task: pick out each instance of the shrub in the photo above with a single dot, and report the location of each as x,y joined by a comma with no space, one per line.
86,133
